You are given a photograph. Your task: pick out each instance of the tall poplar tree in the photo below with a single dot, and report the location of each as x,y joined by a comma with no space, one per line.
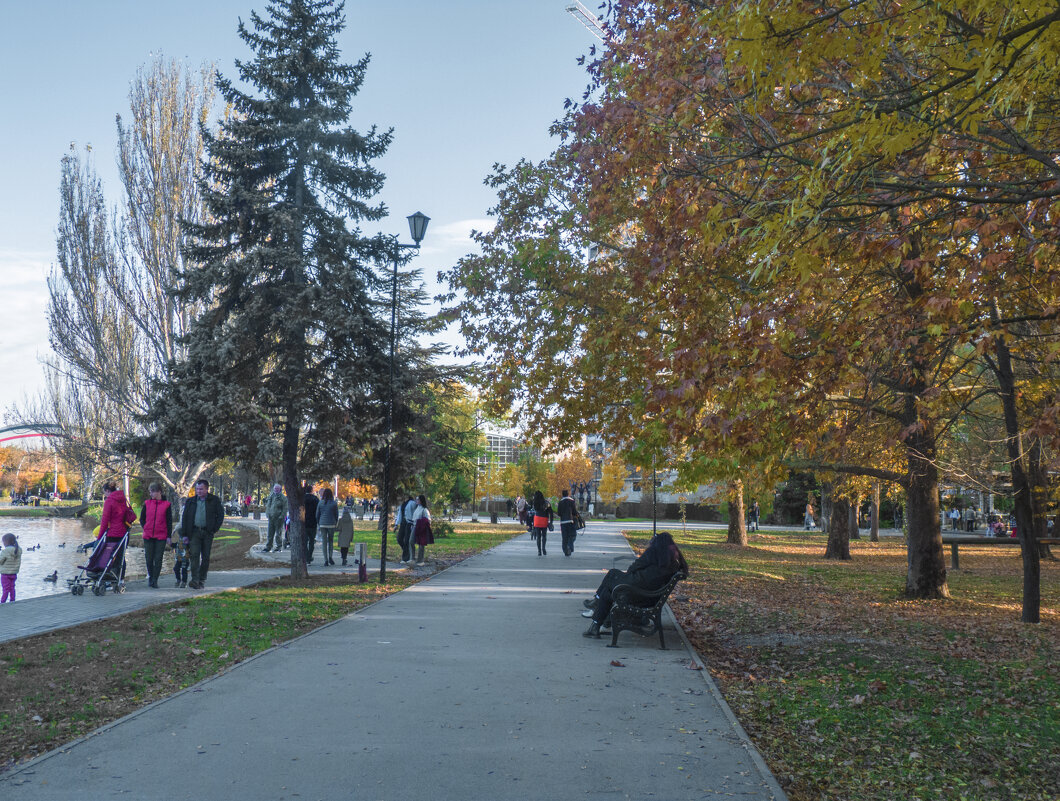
284,361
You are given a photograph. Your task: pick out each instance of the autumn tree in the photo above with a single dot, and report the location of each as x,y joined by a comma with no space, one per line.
569,470
613,481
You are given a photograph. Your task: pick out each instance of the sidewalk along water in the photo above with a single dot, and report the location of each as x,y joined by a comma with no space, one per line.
58,539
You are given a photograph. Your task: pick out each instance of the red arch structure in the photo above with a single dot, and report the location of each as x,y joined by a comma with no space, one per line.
29,430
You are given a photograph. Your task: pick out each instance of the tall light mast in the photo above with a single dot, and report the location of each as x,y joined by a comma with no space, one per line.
588,19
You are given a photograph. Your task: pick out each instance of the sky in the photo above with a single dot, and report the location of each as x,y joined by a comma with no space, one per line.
463,83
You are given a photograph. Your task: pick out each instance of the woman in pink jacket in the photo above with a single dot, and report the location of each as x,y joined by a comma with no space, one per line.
117,514
157,520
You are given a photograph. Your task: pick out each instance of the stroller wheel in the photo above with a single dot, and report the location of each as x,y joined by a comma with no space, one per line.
80,589
119,587
97,590
73,590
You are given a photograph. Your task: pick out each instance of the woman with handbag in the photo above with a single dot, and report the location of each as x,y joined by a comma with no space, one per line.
542,522
421,529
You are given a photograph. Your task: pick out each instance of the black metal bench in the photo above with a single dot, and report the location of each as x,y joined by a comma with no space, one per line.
640,611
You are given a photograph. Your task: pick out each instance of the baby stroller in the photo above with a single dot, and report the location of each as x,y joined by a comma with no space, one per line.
105,569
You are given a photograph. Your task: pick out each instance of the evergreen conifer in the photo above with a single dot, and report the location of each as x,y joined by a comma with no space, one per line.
287,359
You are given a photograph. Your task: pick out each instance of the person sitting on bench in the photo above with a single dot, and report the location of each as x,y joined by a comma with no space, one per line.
651,570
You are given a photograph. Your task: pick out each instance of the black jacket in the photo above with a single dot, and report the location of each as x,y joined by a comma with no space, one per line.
311,502
215,515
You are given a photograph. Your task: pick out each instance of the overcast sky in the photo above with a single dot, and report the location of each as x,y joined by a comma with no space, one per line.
464,84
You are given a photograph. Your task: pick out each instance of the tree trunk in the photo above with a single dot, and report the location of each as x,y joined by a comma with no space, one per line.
874,518
295,499
826,505
926,575
839,530
737,519
1021,487
1039,480
852,518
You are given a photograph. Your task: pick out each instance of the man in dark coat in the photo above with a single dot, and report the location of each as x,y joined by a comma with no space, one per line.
310,508
567,515
202,518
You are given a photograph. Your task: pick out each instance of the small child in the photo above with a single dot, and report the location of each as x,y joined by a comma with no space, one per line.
10,562
181,561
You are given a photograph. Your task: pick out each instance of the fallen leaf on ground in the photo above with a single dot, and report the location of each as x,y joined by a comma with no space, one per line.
616,663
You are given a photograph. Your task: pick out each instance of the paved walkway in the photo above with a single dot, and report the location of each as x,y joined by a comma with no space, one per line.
474,684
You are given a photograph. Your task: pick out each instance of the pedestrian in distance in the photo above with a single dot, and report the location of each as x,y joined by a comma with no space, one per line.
543,522
809,516
345,534
405,521
202,519
275,514
755,512
156,517
309,510
520,509
10,564
327,519
568,530
422,533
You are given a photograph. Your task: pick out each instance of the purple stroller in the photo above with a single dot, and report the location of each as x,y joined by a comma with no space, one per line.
105,569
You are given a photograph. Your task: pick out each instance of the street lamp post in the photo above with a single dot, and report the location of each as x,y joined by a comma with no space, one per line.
417,229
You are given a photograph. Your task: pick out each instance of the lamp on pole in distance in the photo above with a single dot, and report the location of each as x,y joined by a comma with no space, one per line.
417,230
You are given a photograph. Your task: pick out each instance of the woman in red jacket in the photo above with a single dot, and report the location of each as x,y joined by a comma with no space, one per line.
157,520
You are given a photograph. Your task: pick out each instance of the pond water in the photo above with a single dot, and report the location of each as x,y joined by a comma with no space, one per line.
58,539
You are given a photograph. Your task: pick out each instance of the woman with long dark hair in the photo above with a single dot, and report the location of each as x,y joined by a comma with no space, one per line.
650,571
327,520
542,522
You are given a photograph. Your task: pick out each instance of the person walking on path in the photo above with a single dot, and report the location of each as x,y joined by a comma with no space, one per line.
421,529
542,514
310,530
10,562
157,519
405,523
275,513
203,517
650,571
755,512
327,521
345,534
520,509
809,515
567,528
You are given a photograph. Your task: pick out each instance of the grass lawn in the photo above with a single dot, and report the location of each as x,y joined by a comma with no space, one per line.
853,693
61,685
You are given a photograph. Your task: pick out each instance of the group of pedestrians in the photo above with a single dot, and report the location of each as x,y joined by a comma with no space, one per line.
414,532
539,518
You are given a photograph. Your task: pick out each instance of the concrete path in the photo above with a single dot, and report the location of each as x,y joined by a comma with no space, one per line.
474,684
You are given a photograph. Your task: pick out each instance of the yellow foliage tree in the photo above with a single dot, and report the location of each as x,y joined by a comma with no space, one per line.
513,477
574,468
613,481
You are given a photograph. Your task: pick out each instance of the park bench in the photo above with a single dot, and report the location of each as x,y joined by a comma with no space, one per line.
954,541
640,611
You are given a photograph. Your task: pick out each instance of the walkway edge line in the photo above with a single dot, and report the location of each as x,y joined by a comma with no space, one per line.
745,738
26,766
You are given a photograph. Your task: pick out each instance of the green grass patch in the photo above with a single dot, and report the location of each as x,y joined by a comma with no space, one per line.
854,693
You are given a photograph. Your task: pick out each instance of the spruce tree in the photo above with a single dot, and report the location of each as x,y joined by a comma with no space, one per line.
285,362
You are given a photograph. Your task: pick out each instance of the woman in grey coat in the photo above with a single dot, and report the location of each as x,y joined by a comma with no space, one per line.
327,522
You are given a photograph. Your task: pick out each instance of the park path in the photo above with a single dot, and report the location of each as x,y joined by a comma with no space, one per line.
474,684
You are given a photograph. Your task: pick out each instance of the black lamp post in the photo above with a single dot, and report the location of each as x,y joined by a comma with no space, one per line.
417,229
